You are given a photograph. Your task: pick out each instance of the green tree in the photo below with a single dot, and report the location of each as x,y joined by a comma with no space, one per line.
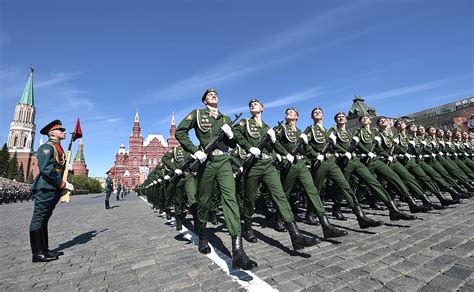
20,177
81,182
12,170
30,178
4,159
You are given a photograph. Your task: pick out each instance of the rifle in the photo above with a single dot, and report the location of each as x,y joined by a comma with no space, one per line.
325,150
368,159
343,161
174,178
212,144
76,134
293,152
390,154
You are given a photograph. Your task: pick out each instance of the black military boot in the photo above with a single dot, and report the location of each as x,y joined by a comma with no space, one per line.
37,247
364,221
310,218
279,226
213,217
415,207
298,240
193,209
239,258
396,214
168,214
373,204
179,222
468,186
330,231
462,192
204,243
336,211
248,233
107,205
427,202
46,245
445,201
455,195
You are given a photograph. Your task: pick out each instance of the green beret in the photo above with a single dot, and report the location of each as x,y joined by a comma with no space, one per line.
338,114
316,108
421,126
398,122
379,118
363,116
206,92
255,100
292,108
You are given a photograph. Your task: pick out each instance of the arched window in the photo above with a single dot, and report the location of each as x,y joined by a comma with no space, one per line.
15,141
134,161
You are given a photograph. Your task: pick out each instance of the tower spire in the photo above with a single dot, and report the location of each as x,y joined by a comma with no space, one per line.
137,118
173,122
28,95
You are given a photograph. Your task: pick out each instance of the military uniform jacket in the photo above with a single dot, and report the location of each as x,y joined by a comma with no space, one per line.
175,158
403,146
249,133
387,143
317,138
366,141
288,135
343,141
206,127
51,164
109,186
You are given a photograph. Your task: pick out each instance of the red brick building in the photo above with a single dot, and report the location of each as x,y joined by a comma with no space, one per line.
79,165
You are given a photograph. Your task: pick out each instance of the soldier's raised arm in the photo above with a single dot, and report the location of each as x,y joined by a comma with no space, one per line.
182,132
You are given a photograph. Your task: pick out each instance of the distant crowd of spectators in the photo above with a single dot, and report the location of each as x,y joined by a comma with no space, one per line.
12,191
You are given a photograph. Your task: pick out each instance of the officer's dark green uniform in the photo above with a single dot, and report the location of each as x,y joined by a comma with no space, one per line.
185,188
318,137
216,168
119,189
47,188
461,158
109,187
288,134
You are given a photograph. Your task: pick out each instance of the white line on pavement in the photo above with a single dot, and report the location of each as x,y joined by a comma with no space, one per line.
246,279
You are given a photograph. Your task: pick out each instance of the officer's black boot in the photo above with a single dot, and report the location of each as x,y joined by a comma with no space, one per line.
298,240
107,205
239,258
374,205
455,195
468,186
279,226
179,222
310,218
213,217
193,209
396,214
204,243
428,202
248,233
364,221
445,201
37,247
168,214
336,211
46,244
462,192
330,231
415,207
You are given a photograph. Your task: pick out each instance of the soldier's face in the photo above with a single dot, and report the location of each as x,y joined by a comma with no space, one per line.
413,129
421,131
383,123
448,134
440,133
365,121
255,107
457,135
59,134
341,120
432,131
471,135
318,115
211,99
465,135
401,126
291,115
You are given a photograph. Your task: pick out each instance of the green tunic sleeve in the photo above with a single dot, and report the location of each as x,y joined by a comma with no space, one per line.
182,132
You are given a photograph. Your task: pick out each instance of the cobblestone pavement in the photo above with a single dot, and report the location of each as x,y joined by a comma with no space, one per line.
130,247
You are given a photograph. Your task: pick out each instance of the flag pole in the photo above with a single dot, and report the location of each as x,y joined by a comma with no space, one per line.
66,195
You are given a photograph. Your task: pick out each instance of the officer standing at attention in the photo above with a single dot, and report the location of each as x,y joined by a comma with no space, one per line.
119,189
207,123
48,187
109,187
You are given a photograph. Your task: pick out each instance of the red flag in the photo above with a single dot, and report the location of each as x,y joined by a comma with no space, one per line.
77,131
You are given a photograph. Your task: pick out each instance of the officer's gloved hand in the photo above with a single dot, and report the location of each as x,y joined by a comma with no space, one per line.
356,139
69,186
441,153
371,155
201,156
396,141
290,158
167,177
424,143
407,155
155,182
320,157
412,143
255,151
333,138
178,171
228,131
160,180
348,155
390,158
278,156
304,137
272,135
378,140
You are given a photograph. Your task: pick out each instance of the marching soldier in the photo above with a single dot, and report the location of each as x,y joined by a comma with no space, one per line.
216,168
249,133
287,135
47,187
109,187
318,137
463,162
351,165
119,189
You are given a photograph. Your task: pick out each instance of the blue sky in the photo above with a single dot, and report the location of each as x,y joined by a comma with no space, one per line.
101,60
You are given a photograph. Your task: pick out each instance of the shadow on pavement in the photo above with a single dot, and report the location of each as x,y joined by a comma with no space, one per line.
80,239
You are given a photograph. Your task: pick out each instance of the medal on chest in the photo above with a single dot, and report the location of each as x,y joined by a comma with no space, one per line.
318,135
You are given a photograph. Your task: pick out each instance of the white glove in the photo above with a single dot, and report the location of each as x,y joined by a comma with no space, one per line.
290,158
178,171
160,180
371,155
241,169
442,143
396,141
378,139
69,186
407,155
390,158
465,154
304,137
167,177
228,131
278,156
455,154
424,142
433,143
412,143
255,151
320,157
434,155
441,153
333,138
348,155
155,182
201,156
356,139
272,135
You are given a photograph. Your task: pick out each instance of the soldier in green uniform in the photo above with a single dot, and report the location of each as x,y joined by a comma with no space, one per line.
318,138
207,123
47,188
296,171
463,161
351,165
185,187
119,189
109,187
406,155
249,133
